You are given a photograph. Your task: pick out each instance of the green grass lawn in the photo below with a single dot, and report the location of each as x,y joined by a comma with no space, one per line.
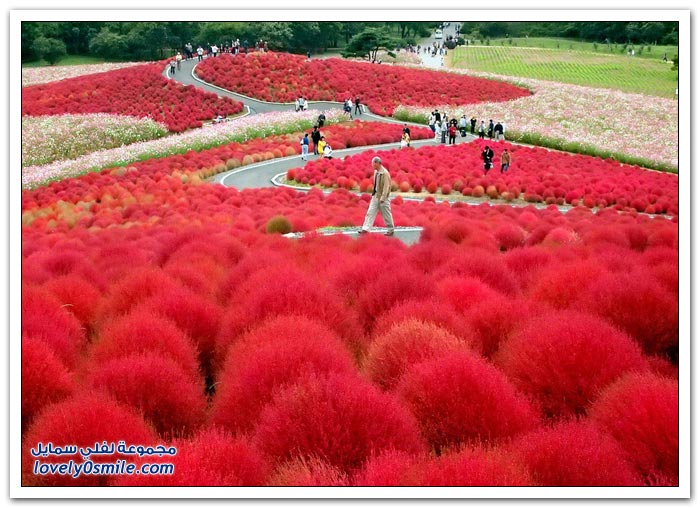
600,69
643,51
67,60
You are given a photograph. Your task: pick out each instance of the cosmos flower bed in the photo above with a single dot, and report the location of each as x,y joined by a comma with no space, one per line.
282,77
140,91
268,132
46,139
39,75
536,175
510,347
577,118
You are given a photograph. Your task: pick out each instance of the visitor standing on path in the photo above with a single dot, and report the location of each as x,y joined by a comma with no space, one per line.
178,60
452,131
491,129
482,130
463,125
473,123
304,146
358,105
498,129
380,199
443,130
505,160
200,54
431,122
438,131
316,138
172,67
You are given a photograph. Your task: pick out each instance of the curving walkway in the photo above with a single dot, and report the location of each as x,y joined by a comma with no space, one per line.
263,174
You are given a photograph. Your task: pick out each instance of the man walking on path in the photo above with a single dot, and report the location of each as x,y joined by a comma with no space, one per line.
178,59
380,199
200,54
490,129
481,130
473,122
505,160
499,131
358,106
487,155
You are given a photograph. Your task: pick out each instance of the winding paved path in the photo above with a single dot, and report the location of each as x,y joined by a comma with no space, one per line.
262,174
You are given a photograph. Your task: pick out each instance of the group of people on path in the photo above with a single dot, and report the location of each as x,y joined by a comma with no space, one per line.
348,104
446,128
318,141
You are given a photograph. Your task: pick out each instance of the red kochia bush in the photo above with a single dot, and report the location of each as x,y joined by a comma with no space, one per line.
405,344
559,285
563,358
340,419
192,314
474,468
460,398
311,472
390,288
275,354
639,305
158,387
82,420
79,297
212,458
641,412
391,468
44,378
493,319
280,291
573,454
45,319
142,331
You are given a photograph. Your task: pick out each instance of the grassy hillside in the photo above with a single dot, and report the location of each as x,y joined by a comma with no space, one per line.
601,69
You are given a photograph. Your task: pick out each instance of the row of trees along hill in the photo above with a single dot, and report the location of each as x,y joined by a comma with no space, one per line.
636,32
156,40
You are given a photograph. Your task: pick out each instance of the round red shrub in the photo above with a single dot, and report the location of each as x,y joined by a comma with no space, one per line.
192,314
143,331
211,458
82,421
564,358
171,399
493,320
301,293
641,412
340,419
639,305
559,285
460,398
45,319
77,296
474,468
271,356
405,344
44,378
574,454
390,468
430,310
308,472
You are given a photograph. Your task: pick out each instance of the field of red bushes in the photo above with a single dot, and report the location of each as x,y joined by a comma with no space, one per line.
139,91
511,346
331,361
282,77
536,175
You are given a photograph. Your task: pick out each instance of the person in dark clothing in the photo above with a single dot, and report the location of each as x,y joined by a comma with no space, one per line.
473,123
437,115
321,119
316,137
498,129
406,130
491,129
487,156
357,105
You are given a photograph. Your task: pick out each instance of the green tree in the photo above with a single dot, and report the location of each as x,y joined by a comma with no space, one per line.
277,34
30,31
49,49
367,43
109,45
